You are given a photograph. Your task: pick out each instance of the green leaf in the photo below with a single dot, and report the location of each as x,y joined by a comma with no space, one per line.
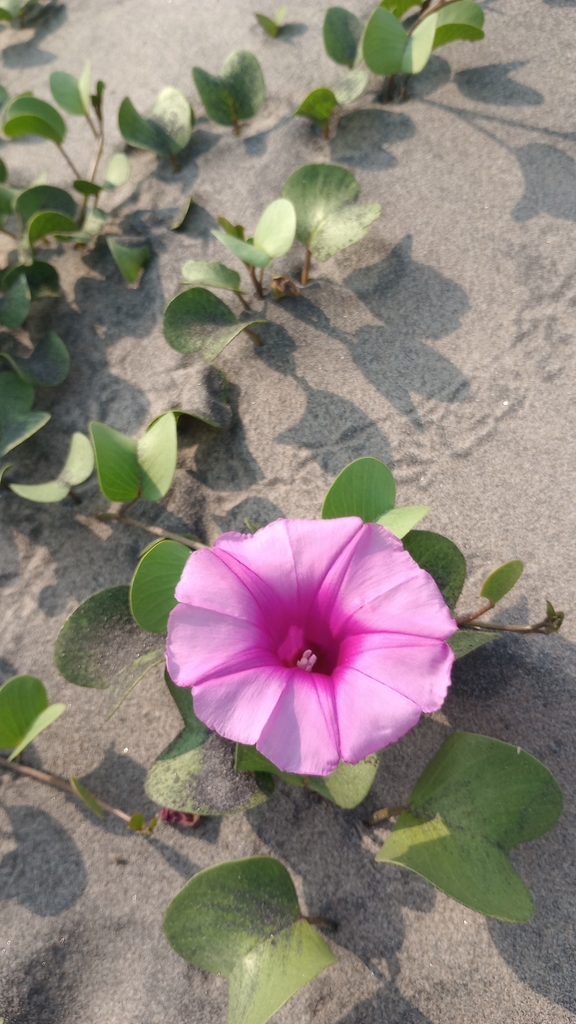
464,641
72,94
241,919
131,260
15,303
276,229
211,275
86,188
101,646
8,197
385,40
236,230
118,172
141,133
9,9
364,488
3,168
344,228
318,106
87,797
24,712
401,520
128,468
77,468
26,115
351,85
42,279
48,223
462,20
501,581
48,365
94,224
245,251
44,197
157,452
153,584
347,786
174,115
342,34
269,26
17,422
323,223
198,321
419,46
477,799
180,218
441,558
399,7
237,93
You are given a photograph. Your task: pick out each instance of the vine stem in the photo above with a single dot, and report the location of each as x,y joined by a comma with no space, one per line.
95,162
475,615
75,172
157,531
322,922
305,275
537,627
58,783
255,337
257,284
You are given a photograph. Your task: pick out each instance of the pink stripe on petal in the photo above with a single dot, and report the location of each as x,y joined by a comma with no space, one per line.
239,705
302,735
370,715
207,582
202,644
416,667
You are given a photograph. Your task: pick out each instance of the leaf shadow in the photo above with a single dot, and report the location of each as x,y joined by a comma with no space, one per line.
28,54
492,84
362,135
549,182
44,851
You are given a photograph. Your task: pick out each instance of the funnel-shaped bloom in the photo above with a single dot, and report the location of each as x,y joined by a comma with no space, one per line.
315,640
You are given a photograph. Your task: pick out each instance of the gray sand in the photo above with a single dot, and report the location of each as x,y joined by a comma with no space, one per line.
443,344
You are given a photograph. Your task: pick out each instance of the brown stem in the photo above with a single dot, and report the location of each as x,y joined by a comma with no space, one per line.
6,232
174,162
243,300
476,615
384,814
255,281
390,89
538,627
325,130
429,9
58,783
305,275
322,922
255,337
237,128
75,172
194,545
90,122
93,169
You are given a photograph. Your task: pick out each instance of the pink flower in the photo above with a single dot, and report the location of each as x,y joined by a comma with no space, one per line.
314,640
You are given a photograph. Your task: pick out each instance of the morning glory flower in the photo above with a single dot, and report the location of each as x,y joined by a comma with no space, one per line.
317,641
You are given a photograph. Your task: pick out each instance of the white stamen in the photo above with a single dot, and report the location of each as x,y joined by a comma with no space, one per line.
307,661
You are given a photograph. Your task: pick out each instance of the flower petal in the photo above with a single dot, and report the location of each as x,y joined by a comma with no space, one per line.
207,582
370,714
417,667
204,643
238,705
301,735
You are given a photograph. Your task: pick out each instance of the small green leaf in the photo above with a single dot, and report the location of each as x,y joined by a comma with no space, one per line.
276,229
3,169
245,251
26,115
72,94
131,260
87,797
347,786
318,106
198,321
48,365
477,799
136,822
211,275
180,218
237,93
236,230
44,197
364,488
141,133
17,422
153,584
24,712
269,26
117,173
77,468
342,35
419,46
462,20
44,720
157,452
174,115
49,223
42,279
343,228
9,9
241,919
385,40
128,468
351,86
464,641
501,581
324,224
441,558
15,303
401,520
87,188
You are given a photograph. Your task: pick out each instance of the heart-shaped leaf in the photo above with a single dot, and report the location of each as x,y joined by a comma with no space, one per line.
324,224
342,35
347,786
477,799
462,20
419,46
49,223
351,85
318,106
48,365
101,646
168,128
17,422
131,259
276,229
198,321
237,93
385,40
44,197
153,584
42,278
272,25
72,94
242,920
24,712
211,275
77,468
245,251
130,468
501,581
26,115
441,558
401,520
464,641
117,172
364,488
344,228
15,303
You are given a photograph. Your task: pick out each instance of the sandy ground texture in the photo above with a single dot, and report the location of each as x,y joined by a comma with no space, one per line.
442,344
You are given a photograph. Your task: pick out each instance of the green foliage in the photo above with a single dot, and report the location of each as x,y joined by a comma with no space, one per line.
389,49
131,259
48,365
15,303
318,106
351,85
464,641
9,9
477,799
347,786
242,920
461,20
198,321
44,197
272,25
364,488
211,275
342,35
72,94
17,421
384,43
501,581
273,237
117,172
236,94
182,214
87,797
49,223
401,520
42,279
130,468
24,712
77,468
26,115
153,584
441,558
324,224
168,128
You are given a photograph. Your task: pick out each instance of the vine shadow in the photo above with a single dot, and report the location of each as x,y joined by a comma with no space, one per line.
362,135
28,54
45,872
492,84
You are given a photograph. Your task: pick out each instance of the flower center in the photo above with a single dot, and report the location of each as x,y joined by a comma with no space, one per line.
308,649
307,661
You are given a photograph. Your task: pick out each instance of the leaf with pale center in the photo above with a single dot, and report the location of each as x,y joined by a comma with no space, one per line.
364,488
198,321
77,468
